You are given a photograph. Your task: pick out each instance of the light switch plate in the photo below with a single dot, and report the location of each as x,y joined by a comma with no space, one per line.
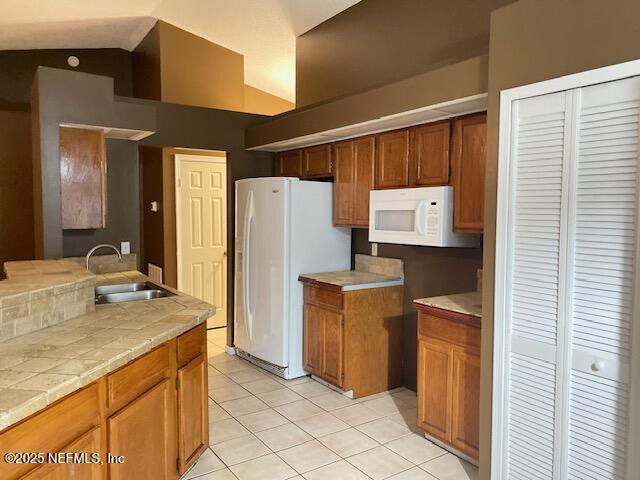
374,249
125,248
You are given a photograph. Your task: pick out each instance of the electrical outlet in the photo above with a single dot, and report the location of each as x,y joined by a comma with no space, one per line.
374,249
125,248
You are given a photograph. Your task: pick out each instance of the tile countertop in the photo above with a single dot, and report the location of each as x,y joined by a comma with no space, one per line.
467,303
40,367
370,272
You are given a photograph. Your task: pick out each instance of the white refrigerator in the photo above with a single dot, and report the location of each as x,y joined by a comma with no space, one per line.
284,227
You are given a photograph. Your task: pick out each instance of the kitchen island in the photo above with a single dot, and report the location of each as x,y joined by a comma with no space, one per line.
127,379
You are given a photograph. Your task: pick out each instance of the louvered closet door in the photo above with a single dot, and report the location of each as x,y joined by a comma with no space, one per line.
603,278
540,138
570,299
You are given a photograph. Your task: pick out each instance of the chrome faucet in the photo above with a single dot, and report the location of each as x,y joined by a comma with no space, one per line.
102,245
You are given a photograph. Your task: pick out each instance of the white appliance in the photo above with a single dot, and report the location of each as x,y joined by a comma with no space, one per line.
284,227
416,216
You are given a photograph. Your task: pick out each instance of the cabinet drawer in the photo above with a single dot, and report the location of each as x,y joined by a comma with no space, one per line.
324,297
448,330
191,344
50,430
139,376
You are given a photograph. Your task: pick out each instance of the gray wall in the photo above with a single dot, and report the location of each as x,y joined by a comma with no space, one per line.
123,211
376,42
18,67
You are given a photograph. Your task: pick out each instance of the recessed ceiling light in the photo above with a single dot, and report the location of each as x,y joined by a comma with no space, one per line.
73,61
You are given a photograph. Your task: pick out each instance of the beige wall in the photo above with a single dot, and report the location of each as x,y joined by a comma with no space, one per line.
531,41
197,72
259,101
377,42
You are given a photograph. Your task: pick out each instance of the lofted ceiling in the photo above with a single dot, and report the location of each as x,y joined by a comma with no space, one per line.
264,31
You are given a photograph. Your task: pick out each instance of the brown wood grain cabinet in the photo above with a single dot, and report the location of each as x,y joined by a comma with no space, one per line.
316,161
468,168
83,178
152,411
289,164
392,159
429,154
143,432
353,339
449,377
353,168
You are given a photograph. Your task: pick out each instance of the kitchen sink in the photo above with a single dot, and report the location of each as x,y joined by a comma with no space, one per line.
129,292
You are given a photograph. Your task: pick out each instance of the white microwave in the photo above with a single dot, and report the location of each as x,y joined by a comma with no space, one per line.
416,216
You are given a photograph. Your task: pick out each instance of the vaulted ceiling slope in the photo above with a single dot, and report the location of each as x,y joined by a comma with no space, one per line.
264,31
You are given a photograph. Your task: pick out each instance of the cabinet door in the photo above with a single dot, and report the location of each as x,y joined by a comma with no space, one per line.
83,178
142,433
87,444
343,183
465,415
332,342
364,154
435,365
468,161
289,164
317,161
193,426
392,160
429,157
313,327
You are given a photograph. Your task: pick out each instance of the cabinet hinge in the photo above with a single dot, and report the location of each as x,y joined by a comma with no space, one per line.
342,322
179,182
177,383
178,464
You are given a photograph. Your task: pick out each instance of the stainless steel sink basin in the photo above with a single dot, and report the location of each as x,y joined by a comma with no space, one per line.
129,292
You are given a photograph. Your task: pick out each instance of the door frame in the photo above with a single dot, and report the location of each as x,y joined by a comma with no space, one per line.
501,348
209,158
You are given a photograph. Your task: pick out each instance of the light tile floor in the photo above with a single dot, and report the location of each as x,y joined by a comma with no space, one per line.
265,428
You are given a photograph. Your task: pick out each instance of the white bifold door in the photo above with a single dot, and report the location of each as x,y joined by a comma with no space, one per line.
565,286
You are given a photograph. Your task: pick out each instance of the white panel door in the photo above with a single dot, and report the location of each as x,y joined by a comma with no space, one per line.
262,265
202,233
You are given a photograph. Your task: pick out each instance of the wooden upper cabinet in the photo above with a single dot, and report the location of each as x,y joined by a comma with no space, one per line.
83,178
392,160
364,156
468,167
429,155
353,180
193,428
316,161
289,164
344,174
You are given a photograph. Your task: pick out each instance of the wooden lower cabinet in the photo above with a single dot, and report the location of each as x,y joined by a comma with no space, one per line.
152,411
87,445
353,339
193,427
143,433
449,378
434,387
323,341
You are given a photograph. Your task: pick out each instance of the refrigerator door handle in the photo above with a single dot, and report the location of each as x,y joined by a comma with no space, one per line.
246,262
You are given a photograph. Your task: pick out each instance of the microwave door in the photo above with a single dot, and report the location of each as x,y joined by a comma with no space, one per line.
395,222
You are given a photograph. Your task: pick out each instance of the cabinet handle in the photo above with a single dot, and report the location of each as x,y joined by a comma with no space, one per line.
597,366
